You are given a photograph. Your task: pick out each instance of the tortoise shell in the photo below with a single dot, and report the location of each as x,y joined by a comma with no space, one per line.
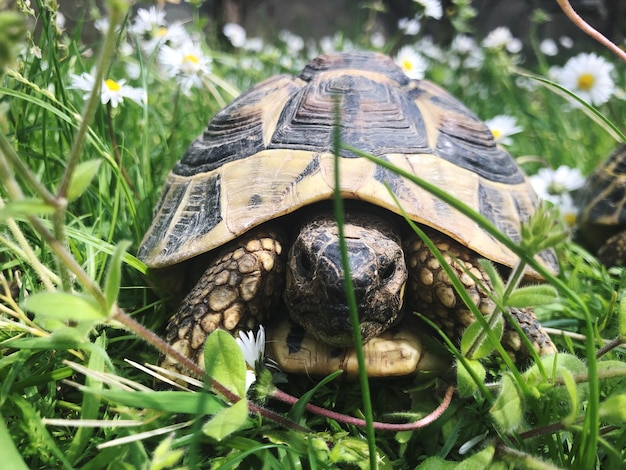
269,153
603,201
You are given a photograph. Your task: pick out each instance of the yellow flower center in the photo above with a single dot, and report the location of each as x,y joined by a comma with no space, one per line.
570,219
496,134
162,31
586,81
407,65
191,58
112,85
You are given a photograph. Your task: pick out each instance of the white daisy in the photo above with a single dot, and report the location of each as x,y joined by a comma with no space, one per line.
147,21
502,127
501,37
187,63
589,77
112,91
235,34
566,42
548,47
556,186
432,8
411,62
173,36
253,45
294,43
377,40
253,349
409,26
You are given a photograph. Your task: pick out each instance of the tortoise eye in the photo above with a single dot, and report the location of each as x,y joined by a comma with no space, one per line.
388,271
304,262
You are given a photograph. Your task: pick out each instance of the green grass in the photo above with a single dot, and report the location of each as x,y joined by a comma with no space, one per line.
79,183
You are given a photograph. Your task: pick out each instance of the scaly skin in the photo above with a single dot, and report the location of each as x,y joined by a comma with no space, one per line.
243,286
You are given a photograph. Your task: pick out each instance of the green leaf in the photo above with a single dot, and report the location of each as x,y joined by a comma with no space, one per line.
532,296
494,276
11,457
114,274
25,208
64,306
172,402
507,408
465,382
613,409
224,362
470,336
81,178
227,421
622,316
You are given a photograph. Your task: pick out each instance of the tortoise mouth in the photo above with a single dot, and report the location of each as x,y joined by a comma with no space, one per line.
339,332
397,352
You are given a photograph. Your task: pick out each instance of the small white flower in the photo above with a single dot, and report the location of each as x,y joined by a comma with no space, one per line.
253,349
411,63
589,77
172,36
253,45
501,37
147,21
432,8
294,43
235,34
548,47
463,44
556,186
111,91
409,26
502,127
59,21
566,42
377,40
187,63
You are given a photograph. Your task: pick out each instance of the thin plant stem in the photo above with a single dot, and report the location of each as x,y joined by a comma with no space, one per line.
589,30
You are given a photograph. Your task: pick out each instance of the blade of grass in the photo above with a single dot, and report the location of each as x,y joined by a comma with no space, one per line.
354,315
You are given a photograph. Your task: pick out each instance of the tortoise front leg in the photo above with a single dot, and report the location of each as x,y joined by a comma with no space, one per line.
239,289
431,293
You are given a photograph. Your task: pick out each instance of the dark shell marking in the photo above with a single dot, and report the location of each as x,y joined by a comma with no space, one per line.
269,153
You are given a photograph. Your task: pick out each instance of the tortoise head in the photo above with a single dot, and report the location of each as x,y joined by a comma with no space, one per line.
315,292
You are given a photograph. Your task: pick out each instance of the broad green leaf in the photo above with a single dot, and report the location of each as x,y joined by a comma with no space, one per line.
224,362
227,421
532,296
64,306
25,208
11,457
465,382
507,408
471,334
81,178
114,274
613,409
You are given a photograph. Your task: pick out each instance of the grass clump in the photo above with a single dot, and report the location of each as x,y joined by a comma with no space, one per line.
87,136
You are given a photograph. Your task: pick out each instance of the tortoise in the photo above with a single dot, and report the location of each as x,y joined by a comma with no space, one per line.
245,222
602,216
